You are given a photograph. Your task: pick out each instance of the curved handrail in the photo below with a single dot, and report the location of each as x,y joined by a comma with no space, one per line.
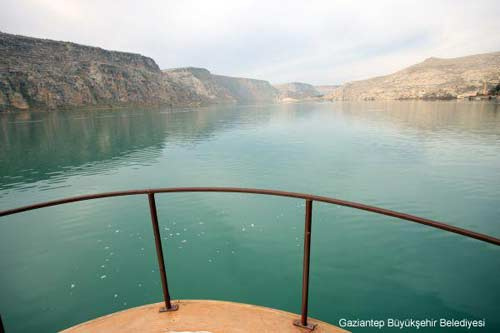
309,198
351,204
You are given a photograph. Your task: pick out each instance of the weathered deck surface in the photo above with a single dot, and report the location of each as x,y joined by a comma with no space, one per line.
200,317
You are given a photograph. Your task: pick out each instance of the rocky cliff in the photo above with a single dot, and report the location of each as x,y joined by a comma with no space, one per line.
433,78
45,74
40,74
326,90
296,91
208,88
199,84
248,91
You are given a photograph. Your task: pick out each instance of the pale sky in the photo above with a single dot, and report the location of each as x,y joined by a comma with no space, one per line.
318,42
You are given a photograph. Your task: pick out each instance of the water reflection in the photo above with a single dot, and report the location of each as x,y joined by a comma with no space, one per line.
425,115
37,146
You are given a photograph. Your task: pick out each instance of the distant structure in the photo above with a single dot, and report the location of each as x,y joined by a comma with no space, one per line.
486,93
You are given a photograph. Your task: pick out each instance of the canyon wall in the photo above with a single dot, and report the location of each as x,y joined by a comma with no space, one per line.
41,74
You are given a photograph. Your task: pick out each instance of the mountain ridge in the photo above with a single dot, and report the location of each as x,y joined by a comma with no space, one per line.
433,78
43,74
294,91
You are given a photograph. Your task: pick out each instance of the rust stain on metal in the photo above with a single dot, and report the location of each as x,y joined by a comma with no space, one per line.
373,209
159,255
305,269
200,315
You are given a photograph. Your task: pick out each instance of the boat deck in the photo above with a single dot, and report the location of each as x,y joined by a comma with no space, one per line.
200,316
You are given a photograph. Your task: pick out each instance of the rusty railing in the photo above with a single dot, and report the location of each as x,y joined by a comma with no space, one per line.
302,322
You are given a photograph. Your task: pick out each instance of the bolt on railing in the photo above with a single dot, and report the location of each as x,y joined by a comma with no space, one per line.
303,321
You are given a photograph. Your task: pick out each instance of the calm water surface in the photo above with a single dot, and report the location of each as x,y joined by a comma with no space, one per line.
64,265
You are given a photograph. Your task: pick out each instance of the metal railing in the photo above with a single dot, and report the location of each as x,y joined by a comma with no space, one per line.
309,198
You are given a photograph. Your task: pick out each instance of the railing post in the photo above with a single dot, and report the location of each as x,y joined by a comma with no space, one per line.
305,269
159,254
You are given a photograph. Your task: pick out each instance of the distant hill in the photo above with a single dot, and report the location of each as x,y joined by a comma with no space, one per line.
206,88
326,90
434,78
296,91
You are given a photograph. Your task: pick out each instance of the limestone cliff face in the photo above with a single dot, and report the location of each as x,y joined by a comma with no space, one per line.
208,88
45,74
433,78
40,74
326,90
297,91
199,84
247,91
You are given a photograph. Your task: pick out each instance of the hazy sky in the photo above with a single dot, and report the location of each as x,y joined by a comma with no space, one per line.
320,42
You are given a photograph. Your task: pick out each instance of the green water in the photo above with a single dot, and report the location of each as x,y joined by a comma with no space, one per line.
67,264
